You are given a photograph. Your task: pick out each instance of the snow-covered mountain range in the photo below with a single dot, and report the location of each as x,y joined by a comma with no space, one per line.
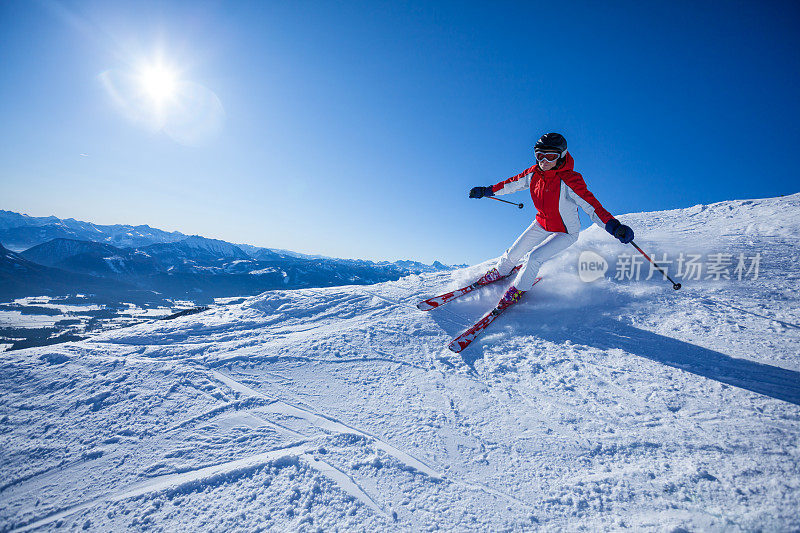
173,265
19,232
615,404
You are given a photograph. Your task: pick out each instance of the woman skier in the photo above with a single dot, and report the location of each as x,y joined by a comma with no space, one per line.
557,191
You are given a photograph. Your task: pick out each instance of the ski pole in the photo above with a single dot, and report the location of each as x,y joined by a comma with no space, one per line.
520,205
675,286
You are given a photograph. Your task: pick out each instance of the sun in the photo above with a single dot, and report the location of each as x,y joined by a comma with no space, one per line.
158,82
157,91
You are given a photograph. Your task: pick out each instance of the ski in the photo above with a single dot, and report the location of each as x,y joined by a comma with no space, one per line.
465,339
436,301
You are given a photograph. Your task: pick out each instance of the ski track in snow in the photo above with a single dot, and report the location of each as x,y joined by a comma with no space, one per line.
175,482
329,424
603,406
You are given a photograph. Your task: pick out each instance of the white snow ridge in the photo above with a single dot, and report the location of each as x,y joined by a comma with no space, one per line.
608,405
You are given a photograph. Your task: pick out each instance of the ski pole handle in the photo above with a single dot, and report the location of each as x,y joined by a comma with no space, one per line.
675,286
520,205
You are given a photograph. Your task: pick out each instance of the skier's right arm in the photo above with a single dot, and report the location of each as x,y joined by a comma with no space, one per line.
520,182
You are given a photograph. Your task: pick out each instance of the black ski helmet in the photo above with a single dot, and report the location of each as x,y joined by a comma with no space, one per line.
551,142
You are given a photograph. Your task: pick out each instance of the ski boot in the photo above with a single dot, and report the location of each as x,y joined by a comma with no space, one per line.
490,277
511,297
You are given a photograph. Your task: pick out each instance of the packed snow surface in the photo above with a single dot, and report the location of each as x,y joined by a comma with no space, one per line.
611,405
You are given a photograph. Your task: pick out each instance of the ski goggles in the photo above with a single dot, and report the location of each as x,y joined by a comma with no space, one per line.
547,156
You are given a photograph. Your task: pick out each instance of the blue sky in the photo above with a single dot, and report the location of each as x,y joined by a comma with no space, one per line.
355,129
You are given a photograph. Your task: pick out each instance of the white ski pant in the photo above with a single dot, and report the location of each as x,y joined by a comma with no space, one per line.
540,245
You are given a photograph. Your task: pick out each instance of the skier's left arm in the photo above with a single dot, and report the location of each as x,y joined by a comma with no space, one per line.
580,194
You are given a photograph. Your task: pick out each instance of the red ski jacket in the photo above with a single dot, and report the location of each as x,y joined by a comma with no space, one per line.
557,193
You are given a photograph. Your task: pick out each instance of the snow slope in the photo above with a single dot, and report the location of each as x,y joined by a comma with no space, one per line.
602,406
